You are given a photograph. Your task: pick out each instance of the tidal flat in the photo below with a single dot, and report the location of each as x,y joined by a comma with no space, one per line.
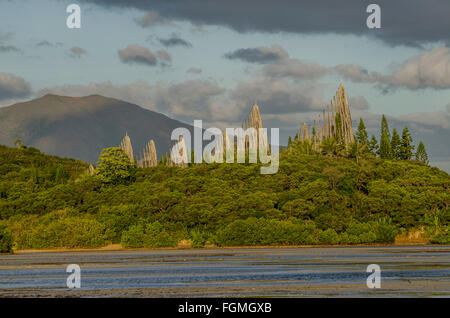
406,271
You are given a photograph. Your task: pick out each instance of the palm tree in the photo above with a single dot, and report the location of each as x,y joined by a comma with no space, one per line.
357,150
329,147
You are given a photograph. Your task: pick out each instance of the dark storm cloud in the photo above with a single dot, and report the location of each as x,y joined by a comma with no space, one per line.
407,22
260,55
174,41
12,86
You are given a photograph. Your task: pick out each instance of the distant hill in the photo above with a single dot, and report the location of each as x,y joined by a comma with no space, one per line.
80,127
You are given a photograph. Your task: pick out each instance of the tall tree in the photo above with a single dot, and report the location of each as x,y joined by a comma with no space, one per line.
289,141
385,148
421,153
395,145
361,133
373,145
385,127
385,140
406,146
114,166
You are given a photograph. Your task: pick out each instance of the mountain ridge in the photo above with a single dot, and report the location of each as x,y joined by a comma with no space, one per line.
80,127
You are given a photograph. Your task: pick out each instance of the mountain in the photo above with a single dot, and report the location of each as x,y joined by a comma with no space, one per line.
80,127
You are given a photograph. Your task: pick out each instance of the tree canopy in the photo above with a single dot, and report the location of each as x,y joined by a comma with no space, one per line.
114,166
421,153
312,199
406,146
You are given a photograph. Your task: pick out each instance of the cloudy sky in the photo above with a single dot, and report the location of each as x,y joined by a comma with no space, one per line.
212,60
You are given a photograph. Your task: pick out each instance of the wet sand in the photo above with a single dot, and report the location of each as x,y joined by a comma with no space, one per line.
412,271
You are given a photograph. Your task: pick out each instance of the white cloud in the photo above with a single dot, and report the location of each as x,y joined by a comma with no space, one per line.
12,86
135,54
430,69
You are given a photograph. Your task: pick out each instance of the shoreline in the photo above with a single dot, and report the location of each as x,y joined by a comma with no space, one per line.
414,271
118,247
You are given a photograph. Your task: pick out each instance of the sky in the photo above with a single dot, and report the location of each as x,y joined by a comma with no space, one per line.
212,60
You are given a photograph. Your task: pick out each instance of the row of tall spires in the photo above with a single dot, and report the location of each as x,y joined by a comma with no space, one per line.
336,122
149,158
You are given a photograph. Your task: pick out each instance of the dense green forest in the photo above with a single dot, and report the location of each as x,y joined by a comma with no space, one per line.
368,193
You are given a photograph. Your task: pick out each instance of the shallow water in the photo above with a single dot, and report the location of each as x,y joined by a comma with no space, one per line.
339,271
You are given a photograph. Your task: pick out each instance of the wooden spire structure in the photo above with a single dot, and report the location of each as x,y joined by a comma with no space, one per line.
254,121
327,124
127,148
149,157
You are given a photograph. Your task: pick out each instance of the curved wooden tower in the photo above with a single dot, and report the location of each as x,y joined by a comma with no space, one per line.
149,157
127,148
327,124
254,121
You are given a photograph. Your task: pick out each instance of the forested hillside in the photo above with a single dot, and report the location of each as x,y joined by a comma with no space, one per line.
314,198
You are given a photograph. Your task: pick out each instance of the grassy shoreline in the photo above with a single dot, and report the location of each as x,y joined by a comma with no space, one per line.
118,247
